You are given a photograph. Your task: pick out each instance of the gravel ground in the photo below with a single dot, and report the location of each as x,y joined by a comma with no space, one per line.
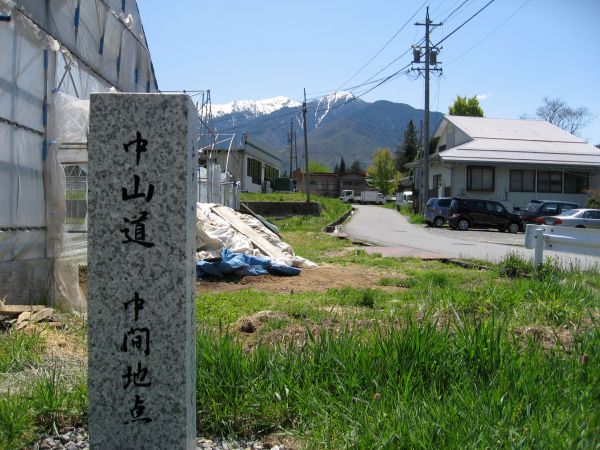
71,438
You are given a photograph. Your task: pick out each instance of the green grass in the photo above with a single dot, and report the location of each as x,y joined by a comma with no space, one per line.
406,385
274,197
389,205
304,233
407,211
75,195
44,403
442,361
430,355
19,350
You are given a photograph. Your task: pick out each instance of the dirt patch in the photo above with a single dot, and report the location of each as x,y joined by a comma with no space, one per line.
253,323
315,280
259,328
547,337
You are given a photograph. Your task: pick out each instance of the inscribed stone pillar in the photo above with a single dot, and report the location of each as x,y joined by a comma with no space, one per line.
141,271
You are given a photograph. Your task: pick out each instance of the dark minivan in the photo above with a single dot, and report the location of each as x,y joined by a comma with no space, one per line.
538,209
471,212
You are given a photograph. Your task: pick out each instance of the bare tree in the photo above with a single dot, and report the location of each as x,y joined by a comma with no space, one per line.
557,112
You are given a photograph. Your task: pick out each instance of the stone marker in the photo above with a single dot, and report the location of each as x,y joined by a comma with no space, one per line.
141,271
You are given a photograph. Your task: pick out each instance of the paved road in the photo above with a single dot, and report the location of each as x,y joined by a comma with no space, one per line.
388,228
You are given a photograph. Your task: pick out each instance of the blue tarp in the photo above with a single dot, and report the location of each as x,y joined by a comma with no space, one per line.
241,265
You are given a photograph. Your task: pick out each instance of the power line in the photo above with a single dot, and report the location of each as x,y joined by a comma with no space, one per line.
456,9
384,45
464,23
490,33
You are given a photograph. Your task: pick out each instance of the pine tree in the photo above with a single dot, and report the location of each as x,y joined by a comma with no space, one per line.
408,150
356,166
336,169
342,166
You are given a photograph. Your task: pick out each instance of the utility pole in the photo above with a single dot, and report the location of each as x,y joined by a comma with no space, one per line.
291,144
430,59
306,173
295,152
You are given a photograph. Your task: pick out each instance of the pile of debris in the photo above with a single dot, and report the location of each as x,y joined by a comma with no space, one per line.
230,242
27,316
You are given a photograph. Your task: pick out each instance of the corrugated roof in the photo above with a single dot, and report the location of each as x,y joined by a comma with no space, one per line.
520,129
527,152
519,141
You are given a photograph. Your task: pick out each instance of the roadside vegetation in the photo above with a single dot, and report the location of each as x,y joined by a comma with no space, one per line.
413,217
428,354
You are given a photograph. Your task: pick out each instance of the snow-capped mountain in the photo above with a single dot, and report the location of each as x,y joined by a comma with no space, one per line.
338,125
324,104
254,108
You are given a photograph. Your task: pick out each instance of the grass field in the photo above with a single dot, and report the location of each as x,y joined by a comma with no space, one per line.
429,355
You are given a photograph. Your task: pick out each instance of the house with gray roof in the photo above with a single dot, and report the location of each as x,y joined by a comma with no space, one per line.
512,161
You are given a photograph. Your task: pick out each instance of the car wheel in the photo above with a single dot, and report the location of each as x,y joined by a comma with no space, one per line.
463,224
438,222
513,227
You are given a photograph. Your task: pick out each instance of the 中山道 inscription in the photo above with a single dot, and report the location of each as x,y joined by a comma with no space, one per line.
141,255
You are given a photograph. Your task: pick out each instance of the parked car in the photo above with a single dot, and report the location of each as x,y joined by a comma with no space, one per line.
578,218
437,210
538,209
470,212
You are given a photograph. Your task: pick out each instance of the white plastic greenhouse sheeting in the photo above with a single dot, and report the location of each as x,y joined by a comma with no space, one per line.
213,233
97,32
55,53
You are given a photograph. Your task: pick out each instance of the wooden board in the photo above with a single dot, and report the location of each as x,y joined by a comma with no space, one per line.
261,243
15,310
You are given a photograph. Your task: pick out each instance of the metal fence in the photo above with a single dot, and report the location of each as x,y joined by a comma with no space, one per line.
561,239
75,198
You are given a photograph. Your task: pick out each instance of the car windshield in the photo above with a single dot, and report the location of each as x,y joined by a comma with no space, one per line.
533,206
431,201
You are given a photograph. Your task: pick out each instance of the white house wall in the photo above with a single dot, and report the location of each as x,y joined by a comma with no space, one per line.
456,177
264,158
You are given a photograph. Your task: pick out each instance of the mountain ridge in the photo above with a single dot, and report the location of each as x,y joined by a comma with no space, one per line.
339,125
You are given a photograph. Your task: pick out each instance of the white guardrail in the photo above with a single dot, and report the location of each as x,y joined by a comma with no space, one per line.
561,239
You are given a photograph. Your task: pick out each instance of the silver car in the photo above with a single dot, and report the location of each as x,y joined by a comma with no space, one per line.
578,218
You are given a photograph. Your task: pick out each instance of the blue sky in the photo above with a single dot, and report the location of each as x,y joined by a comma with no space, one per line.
266,48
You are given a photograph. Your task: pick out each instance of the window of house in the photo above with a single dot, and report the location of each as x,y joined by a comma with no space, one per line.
522,180
576,183
549,181
480,178
270,174
253,170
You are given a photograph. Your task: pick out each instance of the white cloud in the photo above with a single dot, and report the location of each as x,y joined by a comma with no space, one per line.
482,97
